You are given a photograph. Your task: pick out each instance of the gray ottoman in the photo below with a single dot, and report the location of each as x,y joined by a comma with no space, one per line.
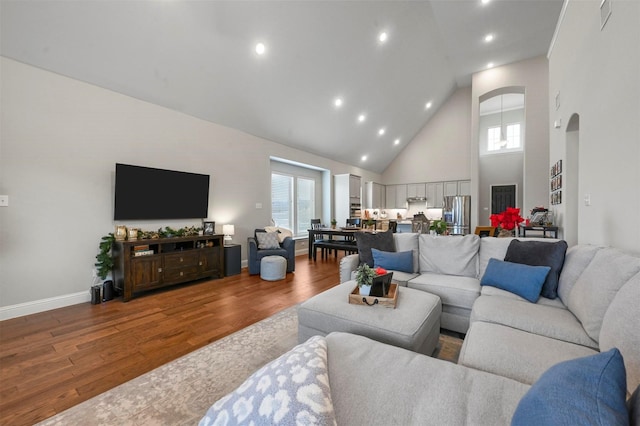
273,268
414,324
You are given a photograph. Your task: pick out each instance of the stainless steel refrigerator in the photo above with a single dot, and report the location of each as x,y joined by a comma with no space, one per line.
457,214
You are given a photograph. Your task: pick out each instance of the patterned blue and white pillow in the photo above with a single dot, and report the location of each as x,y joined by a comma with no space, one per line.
268,240
292,389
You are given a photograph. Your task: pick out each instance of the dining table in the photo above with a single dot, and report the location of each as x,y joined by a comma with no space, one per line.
330,233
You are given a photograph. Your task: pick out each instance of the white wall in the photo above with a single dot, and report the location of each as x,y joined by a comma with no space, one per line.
597,74
60,140
532,75
440,151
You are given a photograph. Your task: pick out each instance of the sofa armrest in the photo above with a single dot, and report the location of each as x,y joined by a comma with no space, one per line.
348,264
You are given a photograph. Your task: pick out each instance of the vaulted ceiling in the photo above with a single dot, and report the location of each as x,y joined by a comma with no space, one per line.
199,57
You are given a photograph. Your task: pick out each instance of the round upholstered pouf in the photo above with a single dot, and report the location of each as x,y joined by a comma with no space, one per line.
273,268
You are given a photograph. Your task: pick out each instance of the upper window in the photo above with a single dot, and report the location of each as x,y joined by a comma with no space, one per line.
509,140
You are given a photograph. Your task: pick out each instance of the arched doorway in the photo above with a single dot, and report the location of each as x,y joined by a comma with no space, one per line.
572,187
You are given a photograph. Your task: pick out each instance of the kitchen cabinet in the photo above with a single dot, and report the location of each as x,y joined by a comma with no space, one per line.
396,196
375,195
390,196
435,194
401,197
347,197
457,187
451,188
464,187
416,190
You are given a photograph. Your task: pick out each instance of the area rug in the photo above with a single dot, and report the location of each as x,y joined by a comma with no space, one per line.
180,392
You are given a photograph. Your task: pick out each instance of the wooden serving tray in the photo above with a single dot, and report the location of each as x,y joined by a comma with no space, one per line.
388,302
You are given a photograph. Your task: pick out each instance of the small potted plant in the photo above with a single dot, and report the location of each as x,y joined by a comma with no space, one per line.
364,278
369,223
333,223
439,226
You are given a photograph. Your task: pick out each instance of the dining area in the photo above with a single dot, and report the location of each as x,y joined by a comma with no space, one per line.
331,240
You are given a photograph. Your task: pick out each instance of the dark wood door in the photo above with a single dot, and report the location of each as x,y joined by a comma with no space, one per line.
502,196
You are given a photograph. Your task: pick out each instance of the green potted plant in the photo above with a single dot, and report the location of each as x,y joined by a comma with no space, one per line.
369,223
364,278
439,226
333,223
104,258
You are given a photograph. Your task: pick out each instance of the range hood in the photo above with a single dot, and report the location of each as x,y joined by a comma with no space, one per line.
416,199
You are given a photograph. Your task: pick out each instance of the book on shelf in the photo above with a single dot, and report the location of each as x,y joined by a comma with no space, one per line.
143,253
141,248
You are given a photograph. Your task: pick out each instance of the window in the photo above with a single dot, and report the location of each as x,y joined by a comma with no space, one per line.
293,202
282,200
511,142
513,136
493,138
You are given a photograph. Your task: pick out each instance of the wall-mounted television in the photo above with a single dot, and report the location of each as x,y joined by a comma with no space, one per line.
143,193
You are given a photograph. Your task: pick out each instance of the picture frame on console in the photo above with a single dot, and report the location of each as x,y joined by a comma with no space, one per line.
208,228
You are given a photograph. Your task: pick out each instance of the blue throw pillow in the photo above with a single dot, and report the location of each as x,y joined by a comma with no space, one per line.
582,391
524,280
396,261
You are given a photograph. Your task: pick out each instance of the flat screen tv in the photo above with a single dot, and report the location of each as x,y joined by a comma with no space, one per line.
146,193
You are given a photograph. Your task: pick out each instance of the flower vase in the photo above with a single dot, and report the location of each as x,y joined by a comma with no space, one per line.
503,233
365,290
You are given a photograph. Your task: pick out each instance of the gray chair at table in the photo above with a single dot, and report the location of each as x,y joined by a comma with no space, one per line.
287,250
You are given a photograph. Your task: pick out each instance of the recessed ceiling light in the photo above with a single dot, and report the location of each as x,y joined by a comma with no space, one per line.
382,37
488,38
337,102
364,158
261,48
361,118
381,131
485,1
490,65
428,105
396,142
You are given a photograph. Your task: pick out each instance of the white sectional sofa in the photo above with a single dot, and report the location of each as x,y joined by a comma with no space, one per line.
574,359
449,267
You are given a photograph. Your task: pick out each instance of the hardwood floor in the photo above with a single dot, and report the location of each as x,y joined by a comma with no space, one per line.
56,359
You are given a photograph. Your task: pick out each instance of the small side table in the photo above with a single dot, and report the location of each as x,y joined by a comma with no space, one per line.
232,253
552,230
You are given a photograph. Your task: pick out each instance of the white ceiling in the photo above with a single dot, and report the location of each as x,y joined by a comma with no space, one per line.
198,57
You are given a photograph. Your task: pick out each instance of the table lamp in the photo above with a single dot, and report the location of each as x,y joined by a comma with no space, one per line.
228,231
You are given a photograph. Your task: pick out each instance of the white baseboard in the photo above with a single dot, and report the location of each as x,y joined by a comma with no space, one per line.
27,308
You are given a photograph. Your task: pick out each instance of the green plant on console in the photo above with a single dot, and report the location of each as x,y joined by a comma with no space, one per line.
365,275
440,226
104,258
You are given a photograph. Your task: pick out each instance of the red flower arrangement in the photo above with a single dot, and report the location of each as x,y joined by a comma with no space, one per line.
508,219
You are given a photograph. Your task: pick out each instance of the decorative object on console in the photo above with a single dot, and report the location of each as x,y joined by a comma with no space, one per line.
132,234
208,228
507,221
333,223
121,233
228,230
